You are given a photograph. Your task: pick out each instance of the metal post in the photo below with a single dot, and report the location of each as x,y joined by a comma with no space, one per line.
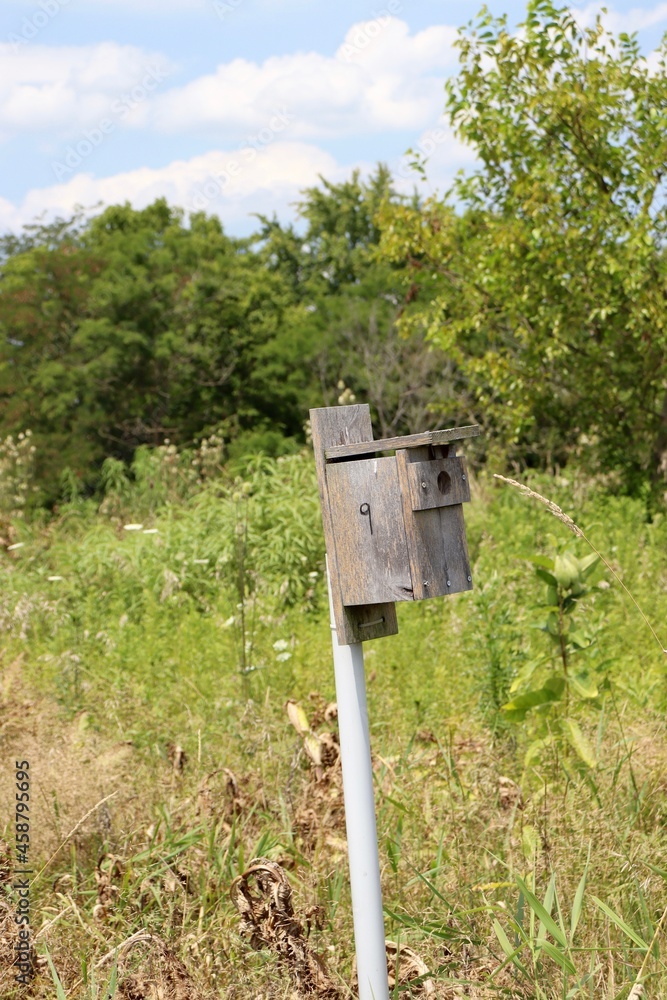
362,845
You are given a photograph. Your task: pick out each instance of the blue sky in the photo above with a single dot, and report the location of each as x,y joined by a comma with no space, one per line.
231,106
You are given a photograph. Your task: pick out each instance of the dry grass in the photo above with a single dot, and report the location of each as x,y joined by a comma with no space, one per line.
146,879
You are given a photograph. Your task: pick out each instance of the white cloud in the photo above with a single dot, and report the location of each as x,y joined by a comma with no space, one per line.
265,183
636,19
233,183
67,88
381,77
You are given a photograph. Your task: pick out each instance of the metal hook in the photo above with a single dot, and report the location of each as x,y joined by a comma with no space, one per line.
365,510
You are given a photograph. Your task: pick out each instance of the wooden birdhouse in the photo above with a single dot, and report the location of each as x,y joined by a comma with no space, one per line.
393,523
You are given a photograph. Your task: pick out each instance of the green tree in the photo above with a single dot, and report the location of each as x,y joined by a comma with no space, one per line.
347,301
132,328
543,271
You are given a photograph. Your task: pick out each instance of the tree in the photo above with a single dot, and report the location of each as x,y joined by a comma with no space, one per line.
543,272
133,328
343,325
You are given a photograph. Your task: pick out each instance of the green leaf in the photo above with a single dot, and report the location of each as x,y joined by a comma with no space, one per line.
621,924
516,708
579,743
577,638
578,903
60,992
541,913
583,685
548,906
556,685
509,951
588,564
547,578
543,561
559,957
566,570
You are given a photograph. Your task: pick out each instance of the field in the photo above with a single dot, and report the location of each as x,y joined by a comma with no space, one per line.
152,652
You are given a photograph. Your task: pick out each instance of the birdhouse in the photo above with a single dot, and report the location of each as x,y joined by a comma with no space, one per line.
393,523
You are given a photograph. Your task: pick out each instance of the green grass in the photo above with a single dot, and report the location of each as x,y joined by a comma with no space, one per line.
134,652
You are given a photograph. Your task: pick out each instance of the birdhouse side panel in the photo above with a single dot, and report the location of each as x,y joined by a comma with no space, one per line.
436,539
369,531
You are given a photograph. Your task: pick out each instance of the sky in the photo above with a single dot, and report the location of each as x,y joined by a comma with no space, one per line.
231,107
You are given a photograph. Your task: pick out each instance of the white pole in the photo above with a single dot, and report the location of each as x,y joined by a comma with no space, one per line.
362,846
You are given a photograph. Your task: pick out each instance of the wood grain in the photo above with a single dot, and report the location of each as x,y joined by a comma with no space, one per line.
370,447
333,427
438,483
367,519
437,547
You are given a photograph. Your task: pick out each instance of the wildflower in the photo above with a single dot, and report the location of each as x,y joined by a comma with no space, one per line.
281,657
280,645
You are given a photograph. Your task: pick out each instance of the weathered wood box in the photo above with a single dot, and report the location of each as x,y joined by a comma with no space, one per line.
393,524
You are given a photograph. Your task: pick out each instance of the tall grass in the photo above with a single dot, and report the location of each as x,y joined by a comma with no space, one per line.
157,666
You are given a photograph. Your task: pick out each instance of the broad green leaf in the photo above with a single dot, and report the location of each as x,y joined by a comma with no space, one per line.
556,685
547,578
579,743
516,708
583,685
588,564
621,924
524,675
542,561
541,913
566,570
578,638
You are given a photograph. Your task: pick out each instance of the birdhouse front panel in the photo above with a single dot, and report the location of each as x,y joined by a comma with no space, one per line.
371,544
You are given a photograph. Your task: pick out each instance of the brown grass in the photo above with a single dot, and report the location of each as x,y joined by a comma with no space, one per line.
145,879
